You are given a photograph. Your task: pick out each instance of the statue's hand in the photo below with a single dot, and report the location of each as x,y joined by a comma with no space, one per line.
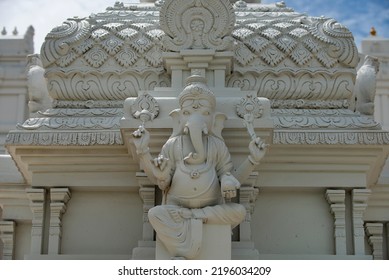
162,173
141,138
229,185
257,149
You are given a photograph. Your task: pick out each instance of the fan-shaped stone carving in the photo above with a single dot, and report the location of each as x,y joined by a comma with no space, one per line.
197,24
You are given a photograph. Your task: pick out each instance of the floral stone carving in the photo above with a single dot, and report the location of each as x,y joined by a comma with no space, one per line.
195,172
197,24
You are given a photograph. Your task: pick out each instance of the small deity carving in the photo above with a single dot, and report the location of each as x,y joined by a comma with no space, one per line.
195,172
37,86
365,85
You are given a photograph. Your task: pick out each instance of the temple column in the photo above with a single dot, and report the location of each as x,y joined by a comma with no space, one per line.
245,248
58,199
7,236
247,197
146,246
374,232
336,199
359,204
37,205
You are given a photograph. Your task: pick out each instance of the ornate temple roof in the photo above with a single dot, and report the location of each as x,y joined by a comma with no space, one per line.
305,66
129,40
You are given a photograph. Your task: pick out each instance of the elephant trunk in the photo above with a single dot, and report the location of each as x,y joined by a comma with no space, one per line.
196,129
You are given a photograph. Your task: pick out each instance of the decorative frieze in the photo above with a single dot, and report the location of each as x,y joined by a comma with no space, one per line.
375,232
331,137
65,138
7,236
321,119
336,200
359,205
58,199
284,86
37,199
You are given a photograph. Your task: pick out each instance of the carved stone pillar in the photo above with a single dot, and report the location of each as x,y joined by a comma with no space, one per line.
58,199
147,193
247,197
7,236
359,204
336,199
244,248
146,246
37,205
374,232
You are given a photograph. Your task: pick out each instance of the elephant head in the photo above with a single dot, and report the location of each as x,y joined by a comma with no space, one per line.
197,117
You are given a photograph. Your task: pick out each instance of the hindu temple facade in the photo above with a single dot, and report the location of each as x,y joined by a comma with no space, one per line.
318,193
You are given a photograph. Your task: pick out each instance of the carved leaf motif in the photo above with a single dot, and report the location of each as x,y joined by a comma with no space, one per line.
142,26
257,44
154,57
84,46
127,33
312,44
66,60
112,45
96,57
242,33
272,56
271,33
141,44
243,55
286,44
325,59
114,26
256,26
155,33
284,25
301,55
126,57
99,34
299,32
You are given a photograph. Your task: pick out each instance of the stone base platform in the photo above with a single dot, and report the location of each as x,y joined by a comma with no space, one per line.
216,244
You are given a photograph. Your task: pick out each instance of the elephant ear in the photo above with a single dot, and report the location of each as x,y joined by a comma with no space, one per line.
218,124
175,115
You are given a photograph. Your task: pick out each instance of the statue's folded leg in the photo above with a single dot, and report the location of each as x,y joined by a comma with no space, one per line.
182,237
227,214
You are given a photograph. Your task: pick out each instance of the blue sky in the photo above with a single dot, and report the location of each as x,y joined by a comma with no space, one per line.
358,15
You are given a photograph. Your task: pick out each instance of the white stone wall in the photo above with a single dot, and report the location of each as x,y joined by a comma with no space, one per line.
114,219
379,47
379,201
13,81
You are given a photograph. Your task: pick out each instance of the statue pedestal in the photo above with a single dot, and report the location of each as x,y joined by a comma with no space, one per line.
216,244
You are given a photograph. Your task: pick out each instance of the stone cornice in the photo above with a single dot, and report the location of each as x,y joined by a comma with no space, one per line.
332,137
280,137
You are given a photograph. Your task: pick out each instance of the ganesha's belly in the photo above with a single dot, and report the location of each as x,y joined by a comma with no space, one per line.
196,191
